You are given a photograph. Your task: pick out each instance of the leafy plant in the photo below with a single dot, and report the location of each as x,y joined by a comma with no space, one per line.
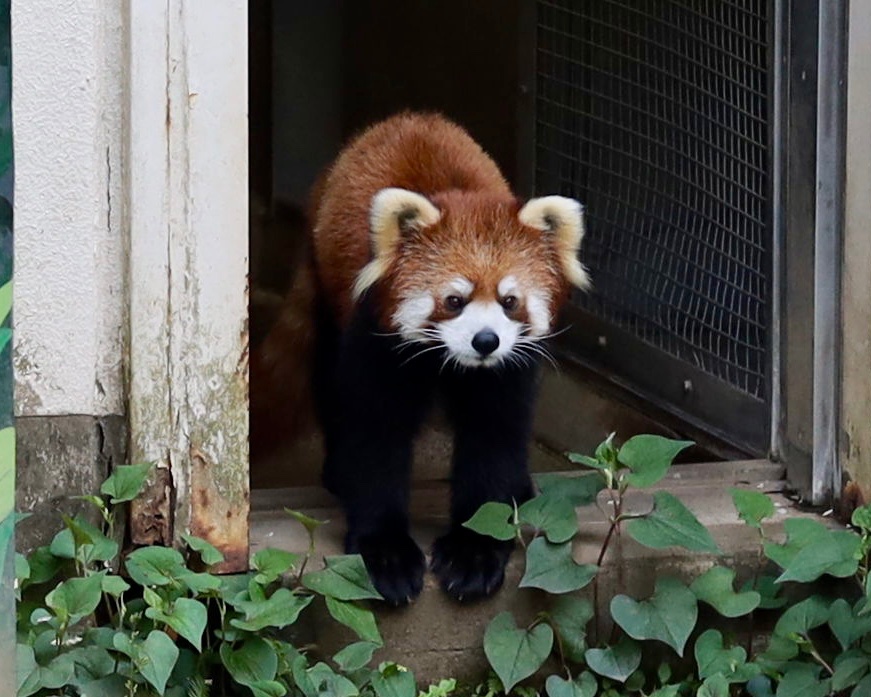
163,628
820,645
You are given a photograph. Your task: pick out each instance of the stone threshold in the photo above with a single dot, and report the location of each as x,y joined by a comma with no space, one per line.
438,638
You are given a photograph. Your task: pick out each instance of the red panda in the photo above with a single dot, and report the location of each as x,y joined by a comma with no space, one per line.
433,282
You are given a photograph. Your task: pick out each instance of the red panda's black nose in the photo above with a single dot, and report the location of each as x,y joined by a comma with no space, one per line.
485,342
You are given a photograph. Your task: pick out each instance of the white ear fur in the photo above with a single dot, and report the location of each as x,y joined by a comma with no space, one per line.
392,213
564,218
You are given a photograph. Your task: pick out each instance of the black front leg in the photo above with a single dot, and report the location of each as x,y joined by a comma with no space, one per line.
375,410
492,413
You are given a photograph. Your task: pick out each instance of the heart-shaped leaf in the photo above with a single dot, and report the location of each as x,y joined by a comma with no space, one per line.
668,616
186,616
768,589
552,568
584,685
126,482
802,680
279,610
494,520
713,658
849,670
271,563
209,554
845,623
254,661
753,506
155,566
803,616
648,458
513,653
355,656
714,587
361,620
155,658
616,662
344,578
714,686
76,598
834,554
392,680
800,532
863,689
671,524
570,616
551,514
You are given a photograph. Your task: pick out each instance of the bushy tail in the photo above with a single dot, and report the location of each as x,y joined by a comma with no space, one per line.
281,370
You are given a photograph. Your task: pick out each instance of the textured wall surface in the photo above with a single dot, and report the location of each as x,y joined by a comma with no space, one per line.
856,289
69,276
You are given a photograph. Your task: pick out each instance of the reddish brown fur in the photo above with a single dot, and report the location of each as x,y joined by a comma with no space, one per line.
478,236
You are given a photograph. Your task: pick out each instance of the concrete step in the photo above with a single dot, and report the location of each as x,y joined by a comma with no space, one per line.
438,638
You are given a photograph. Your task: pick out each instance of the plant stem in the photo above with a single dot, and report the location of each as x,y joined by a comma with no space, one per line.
819,659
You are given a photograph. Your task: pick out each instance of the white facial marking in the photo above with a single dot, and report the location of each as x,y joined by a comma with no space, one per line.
462,286
507,286
457,333
412,314
538,309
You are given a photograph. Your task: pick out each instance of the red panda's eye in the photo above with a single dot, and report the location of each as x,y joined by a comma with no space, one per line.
509,302
454,302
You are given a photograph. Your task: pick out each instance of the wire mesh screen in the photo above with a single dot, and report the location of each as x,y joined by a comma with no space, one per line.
654,114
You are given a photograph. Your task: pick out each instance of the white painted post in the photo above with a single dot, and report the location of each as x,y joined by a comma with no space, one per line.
187,170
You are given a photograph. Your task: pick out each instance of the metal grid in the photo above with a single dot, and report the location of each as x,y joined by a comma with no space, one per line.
654,114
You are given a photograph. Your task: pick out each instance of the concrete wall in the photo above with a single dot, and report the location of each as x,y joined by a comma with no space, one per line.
856,288
69,316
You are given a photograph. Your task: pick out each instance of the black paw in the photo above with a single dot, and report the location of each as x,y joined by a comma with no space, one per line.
394,562
470,566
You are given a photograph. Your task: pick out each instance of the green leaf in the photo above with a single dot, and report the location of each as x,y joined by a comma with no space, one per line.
753,506
254,661
551,514
155,566
768,590
834,554
861,518
355,656
155,658
800,532
714,587
268,688
309,523
759,686
849,670
321,681
344,578
201,583
280,610
863,689
714,686
114,585
5,300
271,563
63,545
668,616
392,680
648,458
186,616
91,662
845,623
126,482
22,569
209,554
583,686
803,616
671,524
578,491
75,598
713,658
90,541
615,662
513,653
570,616
801,680
553,569
586,460
26,671
780,650
361,620
494,520
44,565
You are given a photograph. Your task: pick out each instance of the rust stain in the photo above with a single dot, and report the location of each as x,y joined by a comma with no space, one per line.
151,512
852,497
221,521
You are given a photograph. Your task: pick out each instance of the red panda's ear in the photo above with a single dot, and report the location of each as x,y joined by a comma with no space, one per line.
564,219
393,213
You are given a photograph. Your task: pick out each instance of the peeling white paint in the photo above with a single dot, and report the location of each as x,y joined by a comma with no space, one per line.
67,75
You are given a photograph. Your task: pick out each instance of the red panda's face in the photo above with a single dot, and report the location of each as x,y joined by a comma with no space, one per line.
479,277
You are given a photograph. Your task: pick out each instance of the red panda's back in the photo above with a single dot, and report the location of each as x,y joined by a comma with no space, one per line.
425,153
